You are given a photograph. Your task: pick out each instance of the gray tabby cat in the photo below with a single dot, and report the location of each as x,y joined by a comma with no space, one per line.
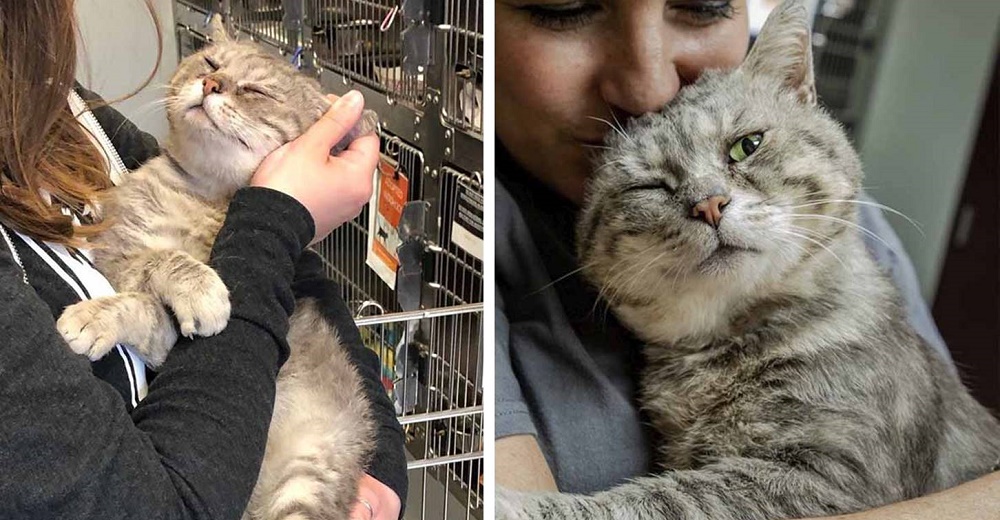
229,106
781,370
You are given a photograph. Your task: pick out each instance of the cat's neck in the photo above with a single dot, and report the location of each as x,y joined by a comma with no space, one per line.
210,174
692,315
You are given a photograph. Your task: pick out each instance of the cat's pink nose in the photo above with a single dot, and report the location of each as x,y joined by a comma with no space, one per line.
710,209
210,86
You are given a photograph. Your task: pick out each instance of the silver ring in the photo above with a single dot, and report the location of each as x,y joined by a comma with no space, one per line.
371,511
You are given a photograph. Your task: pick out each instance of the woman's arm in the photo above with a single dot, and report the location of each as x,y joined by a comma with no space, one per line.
520,463
388,464
521,466
192,448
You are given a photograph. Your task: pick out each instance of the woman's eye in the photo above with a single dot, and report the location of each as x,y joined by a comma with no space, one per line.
744,147
212,63
704,12
562,17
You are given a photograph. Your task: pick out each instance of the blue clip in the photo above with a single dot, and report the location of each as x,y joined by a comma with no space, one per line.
297,57
208,19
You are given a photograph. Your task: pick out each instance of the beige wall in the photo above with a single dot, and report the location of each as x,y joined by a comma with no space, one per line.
923,118
118,52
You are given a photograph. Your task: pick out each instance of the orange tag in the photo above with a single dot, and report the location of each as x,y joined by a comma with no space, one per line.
392,189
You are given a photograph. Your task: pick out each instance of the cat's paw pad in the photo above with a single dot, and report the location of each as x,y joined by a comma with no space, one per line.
91,327
203,308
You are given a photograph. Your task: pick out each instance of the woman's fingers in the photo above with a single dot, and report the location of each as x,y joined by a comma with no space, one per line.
332,189
382,501
335,123
363,151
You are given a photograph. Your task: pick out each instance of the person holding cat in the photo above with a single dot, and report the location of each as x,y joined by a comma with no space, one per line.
567,73
107,439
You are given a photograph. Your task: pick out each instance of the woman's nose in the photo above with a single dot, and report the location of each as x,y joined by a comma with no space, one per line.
639,75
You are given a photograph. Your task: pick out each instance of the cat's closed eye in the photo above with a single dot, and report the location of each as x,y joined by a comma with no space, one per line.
257,90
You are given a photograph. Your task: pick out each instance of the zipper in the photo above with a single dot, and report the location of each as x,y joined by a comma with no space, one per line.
88,120
13,251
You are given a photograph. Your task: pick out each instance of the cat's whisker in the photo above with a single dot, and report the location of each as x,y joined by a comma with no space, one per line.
150,108
613,162
617,130
617,122
846,223
815,233
790,242
814,241
638,275
863,203
610,288
561,278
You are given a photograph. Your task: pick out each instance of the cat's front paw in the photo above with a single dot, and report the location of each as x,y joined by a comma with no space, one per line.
91,327
201,303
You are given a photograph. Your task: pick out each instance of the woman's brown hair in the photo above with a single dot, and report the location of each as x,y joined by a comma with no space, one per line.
42,146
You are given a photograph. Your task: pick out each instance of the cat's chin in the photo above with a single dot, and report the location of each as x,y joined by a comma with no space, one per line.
726,259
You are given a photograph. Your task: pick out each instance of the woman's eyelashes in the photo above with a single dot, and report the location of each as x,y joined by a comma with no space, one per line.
563,16
703,12
573,15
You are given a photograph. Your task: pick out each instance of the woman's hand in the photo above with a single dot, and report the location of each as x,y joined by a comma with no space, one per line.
332,189
383,501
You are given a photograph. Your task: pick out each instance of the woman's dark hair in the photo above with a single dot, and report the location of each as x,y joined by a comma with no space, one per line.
43,149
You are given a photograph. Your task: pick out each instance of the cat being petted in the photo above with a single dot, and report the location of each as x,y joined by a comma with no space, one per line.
781,373
229,106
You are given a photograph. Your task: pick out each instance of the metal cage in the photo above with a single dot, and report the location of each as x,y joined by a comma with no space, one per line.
846,42
344,251
363,40
463,67
420,66
265,21
435,366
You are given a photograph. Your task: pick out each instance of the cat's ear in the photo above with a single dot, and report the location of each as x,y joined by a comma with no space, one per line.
783,49
217,29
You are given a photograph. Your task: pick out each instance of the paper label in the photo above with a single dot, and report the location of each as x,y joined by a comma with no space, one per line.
467,226
385,210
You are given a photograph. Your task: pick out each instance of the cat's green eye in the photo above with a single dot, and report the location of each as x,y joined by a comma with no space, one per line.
744,147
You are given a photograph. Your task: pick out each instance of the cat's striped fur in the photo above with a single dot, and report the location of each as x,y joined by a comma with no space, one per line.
166,216
781,370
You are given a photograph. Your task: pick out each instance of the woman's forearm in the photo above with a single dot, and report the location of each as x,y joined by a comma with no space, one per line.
520,465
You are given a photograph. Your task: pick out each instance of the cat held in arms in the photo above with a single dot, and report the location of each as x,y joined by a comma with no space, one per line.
780,369
165,217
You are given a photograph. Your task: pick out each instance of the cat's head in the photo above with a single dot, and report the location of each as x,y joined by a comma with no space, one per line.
730,186
234,103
